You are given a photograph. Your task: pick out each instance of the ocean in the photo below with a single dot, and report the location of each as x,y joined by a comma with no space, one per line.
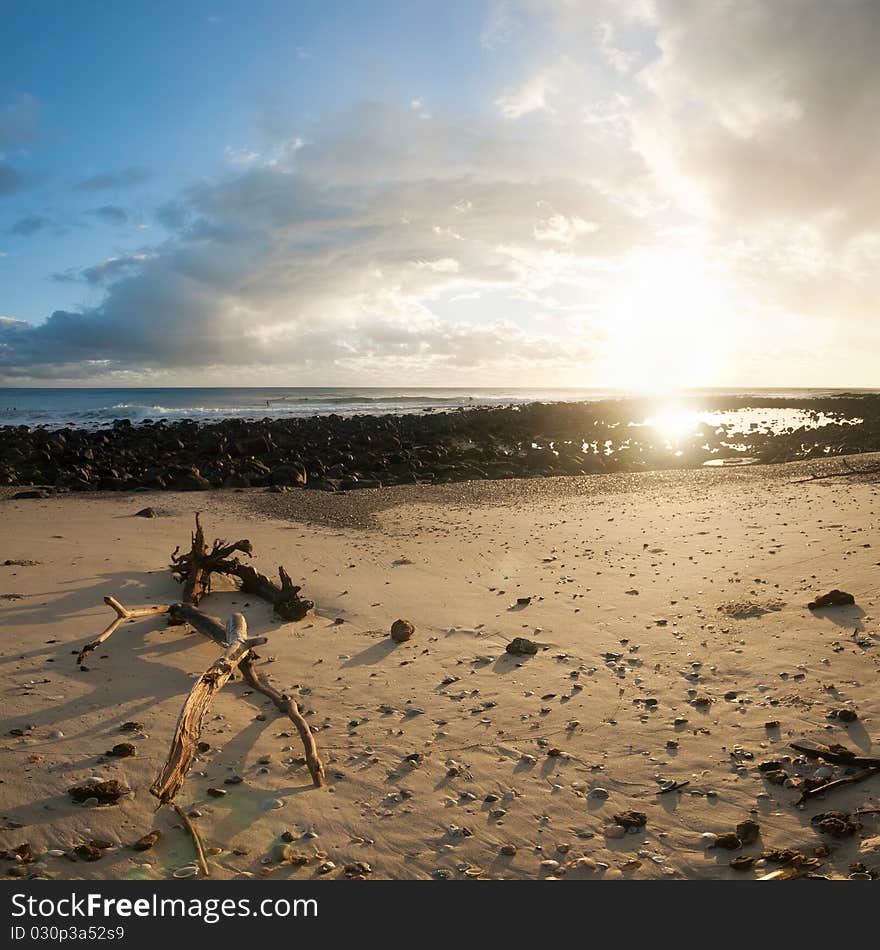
96,408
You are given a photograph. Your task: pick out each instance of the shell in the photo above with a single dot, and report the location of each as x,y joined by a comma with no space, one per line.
188,870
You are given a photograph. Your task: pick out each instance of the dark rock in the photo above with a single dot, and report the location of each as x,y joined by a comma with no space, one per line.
631,819
729,841
401,631
88,852
748,831
834,598
838,824
742,862
107,793
521,646
147,841
122,750
146,513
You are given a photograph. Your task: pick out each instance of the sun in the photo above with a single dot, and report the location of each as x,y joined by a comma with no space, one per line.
673,423
665,322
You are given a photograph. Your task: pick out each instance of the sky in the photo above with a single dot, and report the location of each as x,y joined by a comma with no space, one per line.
632,193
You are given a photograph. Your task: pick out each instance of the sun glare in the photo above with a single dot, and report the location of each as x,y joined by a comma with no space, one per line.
673,423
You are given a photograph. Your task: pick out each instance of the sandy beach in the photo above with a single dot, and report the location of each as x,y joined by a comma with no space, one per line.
670,613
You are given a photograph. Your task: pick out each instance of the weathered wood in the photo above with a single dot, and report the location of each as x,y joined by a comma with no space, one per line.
809,793
192,715
196,566
848,473
284,597
123,615
289,706
199,620
197,841
843,757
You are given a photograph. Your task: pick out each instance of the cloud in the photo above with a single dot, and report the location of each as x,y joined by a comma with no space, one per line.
768,109
30,224
501,25
103,272
10,179
110,214
530,97
18,122
322,265
115,180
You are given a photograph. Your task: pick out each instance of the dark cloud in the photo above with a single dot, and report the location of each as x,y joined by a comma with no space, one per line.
110,214
30,224
10,180
121,178
18,122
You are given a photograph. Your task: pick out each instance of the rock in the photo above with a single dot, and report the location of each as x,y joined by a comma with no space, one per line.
631,819
729,841
148,841
508,850
847,715
122,750
742,862
748,831
520,646
104,792
271,803
401,631
834,598
776,777
280,852
614,831
188,870
87,852
598,794
357,869
838,824
217,792
146,513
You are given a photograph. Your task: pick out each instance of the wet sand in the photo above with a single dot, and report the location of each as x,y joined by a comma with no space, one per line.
648,592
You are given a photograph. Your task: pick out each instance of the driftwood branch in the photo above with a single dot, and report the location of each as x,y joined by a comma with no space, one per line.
848,473
123,615
197,841
192,715
837,755
809,793
284,597
289,706
211,627
196,566
198,620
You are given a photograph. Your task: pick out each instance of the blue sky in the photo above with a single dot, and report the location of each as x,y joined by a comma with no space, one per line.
615,192
164,88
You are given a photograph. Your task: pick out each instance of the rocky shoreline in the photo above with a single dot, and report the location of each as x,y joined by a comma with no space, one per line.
338,453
